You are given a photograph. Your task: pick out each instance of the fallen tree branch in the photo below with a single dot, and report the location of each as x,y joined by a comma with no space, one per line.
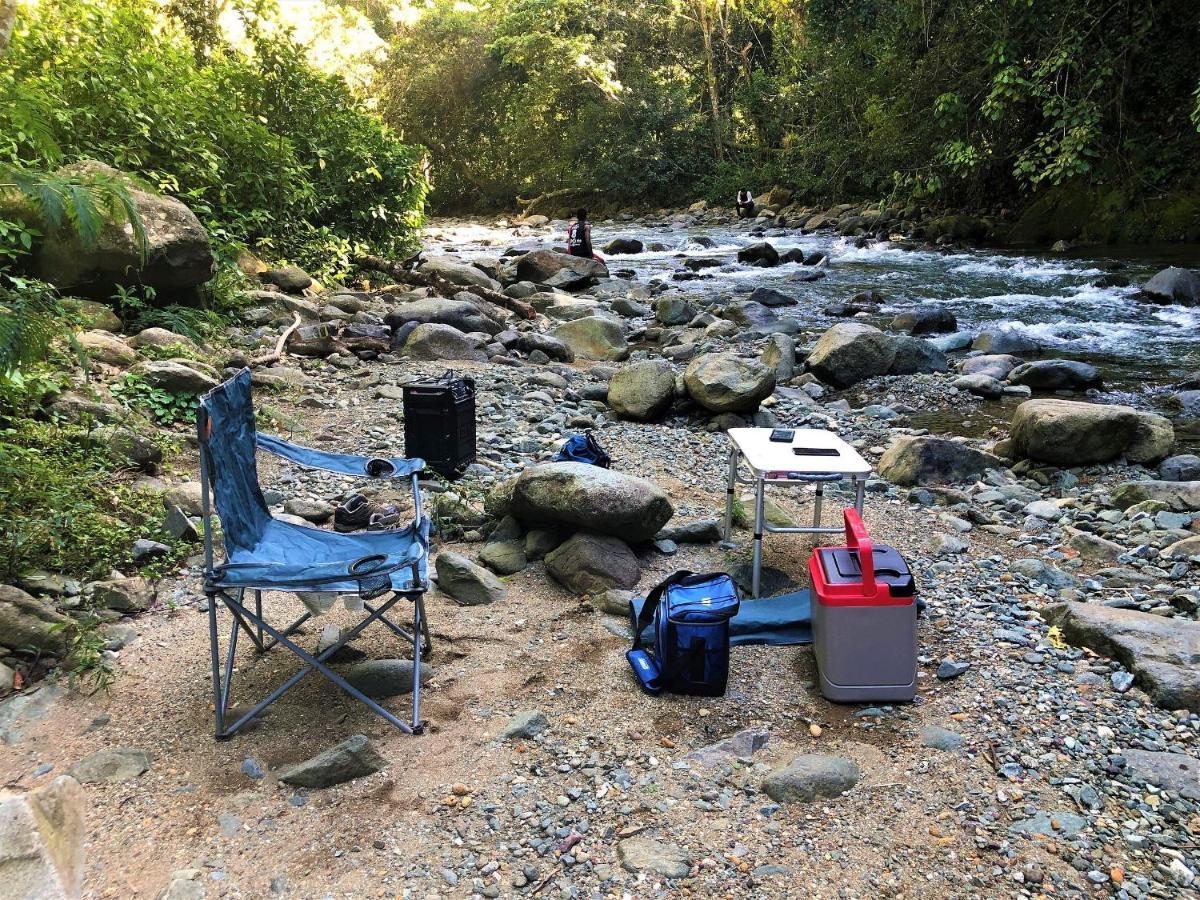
444,285
275,355
528,205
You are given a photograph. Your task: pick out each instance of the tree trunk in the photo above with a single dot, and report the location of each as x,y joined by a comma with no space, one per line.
8,18
704,18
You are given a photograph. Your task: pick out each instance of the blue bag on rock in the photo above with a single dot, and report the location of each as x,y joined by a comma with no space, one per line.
691,616
583,448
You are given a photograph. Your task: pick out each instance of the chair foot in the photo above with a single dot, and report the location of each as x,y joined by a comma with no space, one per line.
420,727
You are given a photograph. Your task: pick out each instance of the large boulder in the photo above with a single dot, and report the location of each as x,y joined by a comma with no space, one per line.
761,254
642,390
1056,375
914,355
431,341
624,245
42,838
589,497
178,256
460,314
548,267
1070,433
933,460
106,348
851,352
1173,285
175,377
1159,651
588,563
725,382
594,337
1005,339
291,279
458,272
1181,496
926,319
29,623
673,310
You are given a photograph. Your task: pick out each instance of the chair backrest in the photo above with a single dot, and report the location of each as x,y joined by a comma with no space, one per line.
225,421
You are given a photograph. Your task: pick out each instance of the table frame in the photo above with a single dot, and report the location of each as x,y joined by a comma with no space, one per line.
760,481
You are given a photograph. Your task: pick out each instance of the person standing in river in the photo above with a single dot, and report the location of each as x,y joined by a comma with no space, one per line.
579,236
745,204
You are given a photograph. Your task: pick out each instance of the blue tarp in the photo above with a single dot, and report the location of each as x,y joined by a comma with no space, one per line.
782,620
264,552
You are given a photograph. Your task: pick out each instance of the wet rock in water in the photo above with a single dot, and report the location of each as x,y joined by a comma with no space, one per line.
851,352
460,314
1185,467
673,310
724,382
435,342
1071,433
386,677
588,563
771,297
749,314
994,365
30,623
1005,339
175,377
1180,496
352,758
468,583
1056,375
645,854
925,319
110,765
980,385
642,390
1175,772
933,460
525,724
1160,651
458,272
504,557
290,279
761,253
103,347
1172,285
938,738
559,269
914,355
956,340
594,337
42,840
810,777
592,498
624,245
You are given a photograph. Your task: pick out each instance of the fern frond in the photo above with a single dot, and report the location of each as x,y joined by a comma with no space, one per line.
30,319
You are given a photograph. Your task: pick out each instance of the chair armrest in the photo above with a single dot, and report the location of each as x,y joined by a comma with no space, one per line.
341,463
331,572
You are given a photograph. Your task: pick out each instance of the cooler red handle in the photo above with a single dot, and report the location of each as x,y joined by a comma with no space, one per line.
858,539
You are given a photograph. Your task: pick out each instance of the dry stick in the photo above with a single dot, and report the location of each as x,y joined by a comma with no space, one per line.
275,355
444,285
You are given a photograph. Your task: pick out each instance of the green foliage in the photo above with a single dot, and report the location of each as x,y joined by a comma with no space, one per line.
85,653
165,407
30,319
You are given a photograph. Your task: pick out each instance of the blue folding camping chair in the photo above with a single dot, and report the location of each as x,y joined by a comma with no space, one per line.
263,553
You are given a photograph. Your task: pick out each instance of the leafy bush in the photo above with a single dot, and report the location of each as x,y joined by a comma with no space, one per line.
166,407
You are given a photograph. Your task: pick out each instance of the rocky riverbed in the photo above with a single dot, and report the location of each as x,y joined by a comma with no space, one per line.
1052,749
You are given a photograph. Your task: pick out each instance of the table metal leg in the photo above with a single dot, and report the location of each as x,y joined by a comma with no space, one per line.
818,502
860,492
759,521
730,487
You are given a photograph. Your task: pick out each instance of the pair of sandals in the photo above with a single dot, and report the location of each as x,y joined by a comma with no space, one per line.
357,512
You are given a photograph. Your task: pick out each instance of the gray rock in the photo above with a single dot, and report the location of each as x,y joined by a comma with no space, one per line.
1176,772
1185,467
851,352
23,709
588,563
504,557
460,314
1181,496
187,495
742,745
1056,375
811,776
939,738
933,460
42,841
925,319
642,390
126,595
614,602
29,623
995,365
309,509
1005,339
111,765
1160,652
780,356
724,382
980,385
385,677
1044,824
771,297
915,355
289,279
525,724
701,531
458,272
762,253
352,758
949,669
594,337
1069,433
539,542
1092,547
1172,285
624,245
590,497
468,583
169,375
673,310
645,854
559,269
103,347
1039,571
436,342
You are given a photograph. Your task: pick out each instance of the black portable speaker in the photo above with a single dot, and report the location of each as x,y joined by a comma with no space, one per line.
439,423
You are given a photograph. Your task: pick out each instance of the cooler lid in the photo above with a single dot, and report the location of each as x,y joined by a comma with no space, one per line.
840,566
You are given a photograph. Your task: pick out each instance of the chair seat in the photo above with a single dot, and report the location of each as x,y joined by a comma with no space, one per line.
301,557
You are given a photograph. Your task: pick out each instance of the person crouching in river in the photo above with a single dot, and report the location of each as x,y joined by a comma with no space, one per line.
745,204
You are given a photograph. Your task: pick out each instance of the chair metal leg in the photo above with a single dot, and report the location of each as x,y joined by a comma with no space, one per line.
215,652
258,610
418,610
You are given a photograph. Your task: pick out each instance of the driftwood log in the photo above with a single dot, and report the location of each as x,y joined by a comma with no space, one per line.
528,206
443,285
277,354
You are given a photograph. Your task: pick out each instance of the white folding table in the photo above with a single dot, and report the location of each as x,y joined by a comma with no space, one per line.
773,462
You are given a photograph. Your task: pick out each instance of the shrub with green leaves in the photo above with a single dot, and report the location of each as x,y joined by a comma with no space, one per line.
165,407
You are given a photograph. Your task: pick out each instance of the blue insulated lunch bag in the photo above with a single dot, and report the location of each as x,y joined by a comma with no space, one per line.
691,616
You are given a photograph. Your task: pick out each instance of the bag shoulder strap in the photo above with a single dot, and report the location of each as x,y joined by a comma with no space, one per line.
651,605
